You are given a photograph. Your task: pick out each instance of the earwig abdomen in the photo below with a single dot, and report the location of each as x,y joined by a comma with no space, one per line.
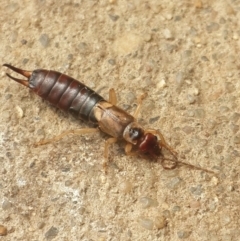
66,93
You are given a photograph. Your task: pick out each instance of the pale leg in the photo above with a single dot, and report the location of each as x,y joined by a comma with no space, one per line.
108,142
128,150
139,101
112,97
66,133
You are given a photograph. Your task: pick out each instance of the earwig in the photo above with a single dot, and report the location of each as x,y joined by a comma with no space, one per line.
84,103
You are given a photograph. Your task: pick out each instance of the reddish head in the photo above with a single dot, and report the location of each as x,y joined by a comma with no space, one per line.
148,145
144,143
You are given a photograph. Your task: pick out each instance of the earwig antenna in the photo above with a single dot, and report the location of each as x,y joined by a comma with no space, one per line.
176,162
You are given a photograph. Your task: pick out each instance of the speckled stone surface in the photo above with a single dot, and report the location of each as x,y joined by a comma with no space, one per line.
185,56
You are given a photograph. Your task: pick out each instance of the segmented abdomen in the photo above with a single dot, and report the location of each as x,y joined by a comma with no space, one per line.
66,93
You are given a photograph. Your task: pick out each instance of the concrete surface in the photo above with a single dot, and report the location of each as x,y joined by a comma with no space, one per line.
185,56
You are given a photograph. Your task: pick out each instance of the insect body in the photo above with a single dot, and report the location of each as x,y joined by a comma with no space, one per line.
76,98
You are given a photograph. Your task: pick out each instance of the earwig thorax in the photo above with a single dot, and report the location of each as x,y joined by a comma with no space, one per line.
133,133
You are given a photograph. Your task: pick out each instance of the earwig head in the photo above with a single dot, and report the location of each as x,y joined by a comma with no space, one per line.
148,145
145,143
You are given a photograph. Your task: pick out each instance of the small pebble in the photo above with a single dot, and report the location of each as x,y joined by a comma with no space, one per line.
176,209
235,36
41,225
114,18
174,183
25,61
211,124
188,129
3,230
191,99
167,34
112,61
9,155
146,223
70,56
13,36
168,16
125,186
234,128
44,40
218,149
148,202
198,4
23,41
14,191
147,37
229,87
68,183
195,204
179,79
222,20
19,111
83,48
235,117
229,9
170,48
223,109
214,181
187,54
81,210
6,205
177,18
130,97
161,84
160,222
199,113
196,190
204,58
154,119
236,139
51,233
212,27
183,234
225,219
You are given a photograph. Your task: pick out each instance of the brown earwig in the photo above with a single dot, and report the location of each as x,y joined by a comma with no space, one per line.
76,98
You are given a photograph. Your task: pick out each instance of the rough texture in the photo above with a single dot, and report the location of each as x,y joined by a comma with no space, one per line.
185,55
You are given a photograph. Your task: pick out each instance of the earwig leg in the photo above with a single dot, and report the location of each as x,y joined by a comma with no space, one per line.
112,97
108,142
128,148
139,101
66,133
